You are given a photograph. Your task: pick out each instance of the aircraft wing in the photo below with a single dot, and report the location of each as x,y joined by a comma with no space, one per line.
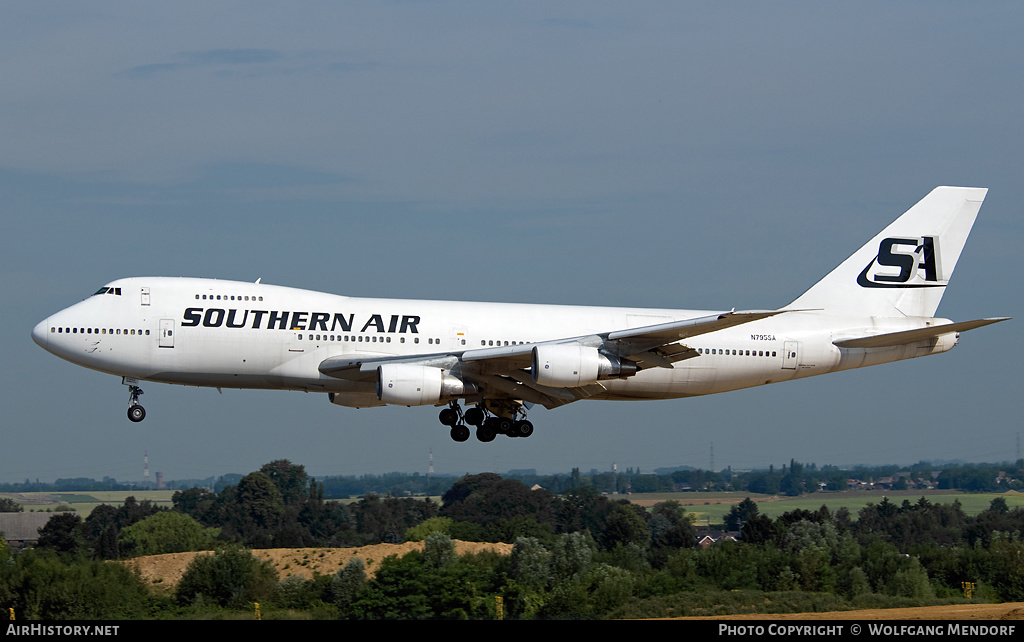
891,339
651,346
505,370
657,345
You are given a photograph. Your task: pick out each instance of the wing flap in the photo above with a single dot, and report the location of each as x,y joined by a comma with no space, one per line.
519,386
664,356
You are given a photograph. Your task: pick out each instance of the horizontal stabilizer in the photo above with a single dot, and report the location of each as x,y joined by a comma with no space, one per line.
891,339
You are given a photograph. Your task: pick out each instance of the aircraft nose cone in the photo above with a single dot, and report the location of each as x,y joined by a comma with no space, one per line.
41,332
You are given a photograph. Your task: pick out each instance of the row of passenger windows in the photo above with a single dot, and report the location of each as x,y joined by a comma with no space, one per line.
368,339
739,353
353,338
225,297
125,331
387,339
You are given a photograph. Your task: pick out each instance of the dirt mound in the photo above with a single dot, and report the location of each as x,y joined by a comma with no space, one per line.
1014,614
165,571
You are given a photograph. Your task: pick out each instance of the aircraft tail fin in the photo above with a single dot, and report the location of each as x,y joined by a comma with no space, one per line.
904,270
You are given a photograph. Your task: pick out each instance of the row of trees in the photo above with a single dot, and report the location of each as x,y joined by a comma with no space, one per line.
280,506
792,479
798,478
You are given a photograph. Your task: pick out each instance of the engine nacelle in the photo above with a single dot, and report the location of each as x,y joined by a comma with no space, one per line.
411,385
355,399
567,365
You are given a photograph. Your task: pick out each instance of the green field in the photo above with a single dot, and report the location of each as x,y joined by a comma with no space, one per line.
707,507
712,507
83,503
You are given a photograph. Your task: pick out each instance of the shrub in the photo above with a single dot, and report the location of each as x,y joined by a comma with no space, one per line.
167,532
231,578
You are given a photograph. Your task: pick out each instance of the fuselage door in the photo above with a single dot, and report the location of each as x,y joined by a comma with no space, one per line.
145,296
791,355
166,333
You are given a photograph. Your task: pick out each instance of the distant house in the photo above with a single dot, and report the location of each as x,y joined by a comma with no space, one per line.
707,538
20,529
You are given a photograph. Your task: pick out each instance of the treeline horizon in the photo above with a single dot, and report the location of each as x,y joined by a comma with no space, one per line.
793,479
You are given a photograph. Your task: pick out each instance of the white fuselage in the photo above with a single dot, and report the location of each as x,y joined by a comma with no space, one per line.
206,332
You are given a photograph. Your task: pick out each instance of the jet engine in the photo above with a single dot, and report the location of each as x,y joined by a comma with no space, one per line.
411,385
354,399
567,365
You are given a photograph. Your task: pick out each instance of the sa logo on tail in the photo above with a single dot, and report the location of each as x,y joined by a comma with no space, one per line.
910,263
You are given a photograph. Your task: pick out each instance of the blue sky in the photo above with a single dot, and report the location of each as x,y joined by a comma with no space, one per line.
653,154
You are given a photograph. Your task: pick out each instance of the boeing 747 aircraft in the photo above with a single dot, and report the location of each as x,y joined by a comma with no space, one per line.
500,359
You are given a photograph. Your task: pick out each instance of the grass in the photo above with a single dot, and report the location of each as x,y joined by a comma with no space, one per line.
703,505
707,507
84,503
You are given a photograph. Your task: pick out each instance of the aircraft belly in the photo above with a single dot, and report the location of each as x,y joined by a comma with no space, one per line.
258,382
215,380
656,383
686,379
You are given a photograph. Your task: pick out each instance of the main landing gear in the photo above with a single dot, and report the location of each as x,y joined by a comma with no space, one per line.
487,427
135,412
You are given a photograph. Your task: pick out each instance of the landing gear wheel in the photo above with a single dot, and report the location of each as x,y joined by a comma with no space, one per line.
485,433
460,433
523,428
475,417
503,425
448,417
136,413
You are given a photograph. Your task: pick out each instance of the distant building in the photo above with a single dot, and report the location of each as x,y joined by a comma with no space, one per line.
20,529
707,538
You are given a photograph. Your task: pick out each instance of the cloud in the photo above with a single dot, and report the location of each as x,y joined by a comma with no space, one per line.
213,58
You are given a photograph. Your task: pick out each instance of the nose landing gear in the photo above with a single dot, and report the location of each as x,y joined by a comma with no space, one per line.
136,412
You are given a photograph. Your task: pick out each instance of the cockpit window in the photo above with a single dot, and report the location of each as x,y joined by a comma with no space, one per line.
101,291
106,290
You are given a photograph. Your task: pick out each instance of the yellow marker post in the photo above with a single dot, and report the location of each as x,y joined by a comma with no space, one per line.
968,589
